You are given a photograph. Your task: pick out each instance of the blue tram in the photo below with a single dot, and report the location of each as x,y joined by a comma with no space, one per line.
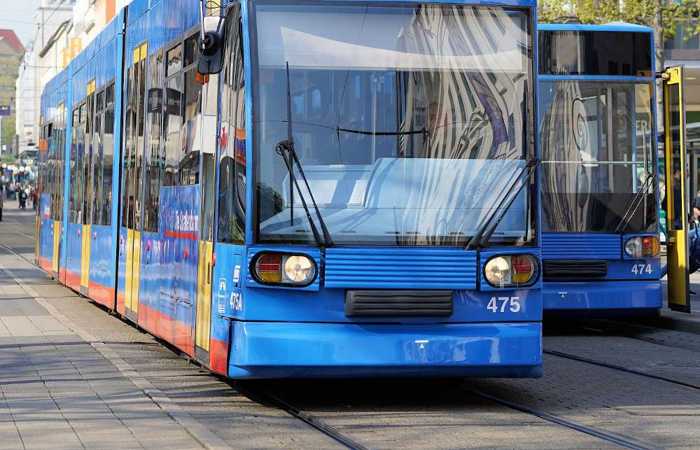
600,205
353,194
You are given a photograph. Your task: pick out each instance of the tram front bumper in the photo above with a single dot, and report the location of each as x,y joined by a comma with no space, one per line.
300,350
602,295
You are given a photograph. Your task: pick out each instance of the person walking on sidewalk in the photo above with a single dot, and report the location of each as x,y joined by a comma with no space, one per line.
1,201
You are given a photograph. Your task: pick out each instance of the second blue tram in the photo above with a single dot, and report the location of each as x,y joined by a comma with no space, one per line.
354,194
600,239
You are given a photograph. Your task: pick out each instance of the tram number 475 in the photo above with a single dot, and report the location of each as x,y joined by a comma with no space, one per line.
503,304
641,269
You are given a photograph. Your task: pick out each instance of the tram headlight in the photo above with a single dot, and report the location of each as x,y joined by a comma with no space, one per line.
283,269
642,246
299,269
511,270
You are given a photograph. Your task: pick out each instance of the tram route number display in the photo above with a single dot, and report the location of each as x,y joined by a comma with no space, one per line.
641,269
503,304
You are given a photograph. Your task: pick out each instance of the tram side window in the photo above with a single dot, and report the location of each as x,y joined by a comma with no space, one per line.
108,155
46,184
189,156
89,182
97,158
173,114
140,143
76,166
232,178
58,132
126,152
154,153
131,210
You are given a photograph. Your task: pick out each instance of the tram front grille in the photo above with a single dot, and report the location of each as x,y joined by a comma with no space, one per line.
574,270
404,303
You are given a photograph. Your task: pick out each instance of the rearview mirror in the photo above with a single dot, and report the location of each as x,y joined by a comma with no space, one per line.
211,44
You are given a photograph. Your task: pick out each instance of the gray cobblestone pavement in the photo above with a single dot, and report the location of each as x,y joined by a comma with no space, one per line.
73,376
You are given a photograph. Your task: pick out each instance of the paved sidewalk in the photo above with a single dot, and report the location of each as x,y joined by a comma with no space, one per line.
72,376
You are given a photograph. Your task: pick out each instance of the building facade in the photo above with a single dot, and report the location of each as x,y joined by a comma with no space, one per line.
11,51
44,58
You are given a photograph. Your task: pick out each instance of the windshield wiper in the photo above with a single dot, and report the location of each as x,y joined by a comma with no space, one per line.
381,133
484,232
634,205
288,153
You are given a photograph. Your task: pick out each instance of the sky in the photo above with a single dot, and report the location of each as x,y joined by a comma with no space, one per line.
18,15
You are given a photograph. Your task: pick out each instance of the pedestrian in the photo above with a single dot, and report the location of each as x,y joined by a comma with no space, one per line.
1,201
696,206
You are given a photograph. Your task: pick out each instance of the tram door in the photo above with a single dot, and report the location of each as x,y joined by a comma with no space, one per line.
209,99
131,188
676,195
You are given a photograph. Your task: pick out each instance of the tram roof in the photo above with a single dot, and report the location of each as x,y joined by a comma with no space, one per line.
614,26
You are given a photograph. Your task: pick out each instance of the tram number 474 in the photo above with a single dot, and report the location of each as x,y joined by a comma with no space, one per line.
503,304
641,269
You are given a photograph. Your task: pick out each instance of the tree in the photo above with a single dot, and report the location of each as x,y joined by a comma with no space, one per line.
8,131
666,17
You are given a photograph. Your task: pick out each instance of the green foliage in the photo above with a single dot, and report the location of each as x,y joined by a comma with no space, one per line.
8,130
667,16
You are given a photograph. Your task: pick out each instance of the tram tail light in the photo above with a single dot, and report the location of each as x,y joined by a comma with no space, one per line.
650,246
284,269
645,246
268,268
511,270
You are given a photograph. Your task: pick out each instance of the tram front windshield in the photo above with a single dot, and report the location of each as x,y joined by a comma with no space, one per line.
410,123
597,146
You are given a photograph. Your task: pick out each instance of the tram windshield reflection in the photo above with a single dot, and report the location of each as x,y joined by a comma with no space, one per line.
410,122
597,146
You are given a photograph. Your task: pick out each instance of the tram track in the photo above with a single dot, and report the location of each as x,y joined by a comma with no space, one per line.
271,399
604,435
618,368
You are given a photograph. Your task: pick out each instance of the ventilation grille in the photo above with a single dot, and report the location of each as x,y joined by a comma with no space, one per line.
400,268
581,246
398,303
574,270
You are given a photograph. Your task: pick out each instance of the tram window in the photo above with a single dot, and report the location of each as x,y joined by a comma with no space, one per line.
189,159
97,159
190,50
75,168
140,143
172,124
595,53
597,146
108,153
128,152
154,153
174,60
88,181
232,179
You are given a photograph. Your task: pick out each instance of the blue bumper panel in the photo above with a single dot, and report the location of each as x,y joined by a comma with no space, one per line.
602,295
283,349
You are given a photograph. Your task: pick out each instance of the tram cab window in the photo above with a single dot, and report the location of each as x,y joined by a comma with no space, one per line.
597,146
595,53
232,161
